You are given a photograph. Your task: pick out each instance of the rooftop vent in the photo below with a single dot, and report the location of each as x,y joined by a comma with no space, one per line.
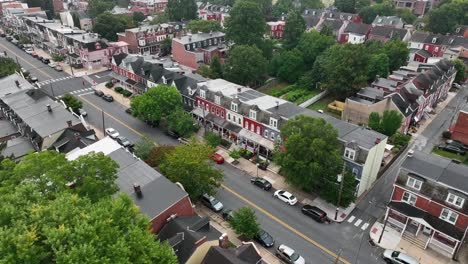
49,108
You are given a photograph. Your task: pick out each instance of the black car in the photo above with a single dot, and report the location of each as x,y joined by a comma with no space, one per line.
124,142
2,35
457,144
45,60
98,93
40,58
108,98
264,238
32,79
128,111
260,182
451,148
315,213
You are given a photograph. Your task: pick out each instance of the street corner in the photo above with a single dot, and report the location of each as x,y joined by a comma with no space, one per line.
390,239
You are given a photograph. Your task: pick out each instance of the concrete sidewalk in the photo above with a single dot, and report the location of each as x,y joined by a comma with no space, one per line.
279,182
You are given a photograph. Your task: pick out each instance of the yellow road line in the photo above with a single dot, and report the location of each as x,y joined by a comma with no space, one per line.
315,243
19,57
111,116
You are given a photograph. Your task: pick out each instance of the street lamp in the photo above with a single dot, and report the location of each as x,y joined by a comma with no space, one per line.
258,164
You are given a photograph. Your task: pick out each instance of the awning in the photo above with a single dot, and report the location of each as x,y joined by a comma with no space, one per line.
216,120
233,128
140,86
256,138
118,76
199,112
130,81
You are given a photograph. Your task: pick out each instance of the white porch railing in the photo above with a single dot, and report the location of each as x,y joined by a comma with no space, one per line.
442,246
396,222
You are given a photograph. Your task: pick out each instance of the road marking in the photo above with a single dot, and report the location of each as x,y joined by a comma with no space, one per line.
364,226
358,222
320,246
111,116
351,219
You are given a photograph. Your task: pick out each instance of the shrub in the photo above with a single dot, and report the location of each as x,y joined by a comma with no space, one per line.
126,93
245,223
235,154
225,143
109,85
395,150
118,89
400,139
212,139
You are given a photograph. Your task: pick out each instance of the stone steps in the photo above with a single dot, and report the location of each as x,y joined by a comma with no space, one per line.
414,240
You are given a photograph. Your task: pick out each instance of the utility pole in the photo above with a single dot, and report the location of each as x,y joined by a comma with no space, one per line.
383,230
52,90
341,190
103,125
17,62
71,67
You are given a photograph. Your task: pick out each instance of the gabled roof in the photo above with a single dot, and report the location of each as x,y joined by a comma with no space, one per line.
72,139
311,21
402,105
424,53
419,36
391,21
245,254
357,28
335,25
119,57
389,32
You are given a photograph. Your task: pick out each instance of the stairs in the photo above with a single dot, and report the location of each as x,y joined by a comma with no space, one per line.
418,242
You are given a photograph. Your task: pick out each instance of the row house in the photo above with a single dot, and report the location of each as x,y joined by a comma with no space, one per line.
276,29
194,50
424,46
429,204
152,6
418,7
13,18
385,34
355,33
12,4
148,39
316,19
208,11
388,21
253,120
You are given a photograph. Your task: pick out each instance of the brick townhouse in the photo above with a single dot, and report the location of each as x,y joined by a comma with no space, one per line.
253,120
152,6
425,45
429,203
276,28
208,11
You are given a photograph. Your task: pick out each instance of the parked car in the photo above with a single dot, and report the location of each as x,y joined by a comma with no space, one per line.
83,112
58,68
53,64
32,79
40,58
264,238
315,213
451,148
9,38
34,54
108,97
2,35
457,144
396,257
212,203
124,142
228,214
288,255
260,182
98,93
128,111
217,158
286,197
45,60
112,132
29,50
15,42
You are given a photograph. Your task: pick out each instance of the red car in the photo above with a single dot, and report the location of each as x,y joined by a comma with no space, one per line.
217,158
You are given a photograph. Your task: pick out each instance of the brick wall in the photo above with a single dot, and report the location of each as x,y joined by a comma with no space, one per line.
181,208
182,56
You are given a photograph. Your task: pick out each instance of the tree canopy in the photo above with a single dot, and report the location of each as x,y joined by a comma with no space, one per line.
216,67
181,122
397,52
97,7
246,23
293,30
448,16
204,26
8,66
157,103
138,17
461,70
369,13
108,25
387,124
143,147
347,6
178,10
282,7
244,222
191,166
73,102
288,66
312,44
245,65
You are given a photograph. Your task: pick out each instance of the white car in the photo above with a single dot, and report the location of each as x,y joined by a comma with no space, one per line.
288,255
396,257
53,64
112,133
286,197
29,50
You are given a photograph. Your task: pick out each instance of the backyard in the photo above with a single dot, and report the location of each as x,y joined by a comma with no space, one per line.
292,93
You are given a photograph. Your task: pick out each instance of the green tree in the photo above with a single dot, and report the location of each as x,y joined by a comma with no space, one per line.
397,51
391,122
178,10
205,26
246,23
312,44
288,65
311,4
400,139
327,30
347,6
369,13
212,139
330,190
447,16
160,18
157,103
205,71
245,65
374,121
97,7
293,30
108,25
138,17
342,79
360,4
378,65
282,7
166,46
406,15
143,147
181,122
461,70
245,223
8,66
310,153
216,67
76,20
190,165
71,101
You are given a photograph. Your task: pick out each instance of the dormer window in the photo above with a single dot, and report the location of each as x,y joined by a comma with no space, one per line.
413,183
253,114
434,40
350,153
234,107
217,100
455,200
203,94
273,122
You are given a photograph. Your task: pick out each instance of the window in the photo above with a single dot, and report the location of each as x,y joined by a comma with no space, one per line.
239,121
355,171
203,94
229,117
455,200
234,118
265,133
222,114
253,114
413,183
207,107
409,198
246,124
258,130
272,136
234,107
350,153
436,49
273,122
217,111
212,109
449,216
252,127
217,99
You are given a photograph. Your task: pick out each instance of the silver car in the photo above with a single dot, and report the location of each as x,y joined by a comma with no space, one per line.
396,257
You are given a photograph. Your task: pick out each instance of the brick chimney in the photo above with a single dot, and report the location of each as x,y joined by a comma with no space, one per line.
224,241
69,123
137,189
377,141
49,108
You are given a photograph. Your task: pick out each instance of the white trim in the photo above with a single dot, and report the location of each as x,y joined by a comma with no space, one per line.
449,213
350,153
414,183
409,200
455,199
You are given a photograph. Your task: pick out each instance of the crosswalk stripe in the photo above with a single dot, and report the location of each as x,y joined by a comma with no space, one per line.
364,226
351,219
358,222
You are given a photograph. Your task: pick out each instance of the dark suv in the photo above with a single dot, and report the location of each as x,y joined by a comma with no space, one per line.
212,203
260,182
315,213
452,148
108,98
98,93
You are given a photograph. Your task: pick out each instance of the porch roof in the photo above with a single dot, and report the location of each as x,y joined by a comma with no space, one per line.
118,76
433,221
256,138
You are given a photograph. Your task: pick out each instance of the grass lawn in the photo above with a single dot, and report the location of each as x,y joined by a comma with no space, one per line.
322,104
278,87
449,155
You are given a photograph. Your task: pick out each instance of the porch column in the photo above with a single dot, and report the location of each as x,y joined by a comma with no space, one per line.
454,248
407,219
432,237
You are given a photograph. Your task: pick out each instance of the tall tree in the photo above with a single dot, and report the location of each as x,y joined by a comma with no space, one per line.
205,26
288,66
178,10
347,6
245,223
8,66
461,70
391,122
293,30
245,65
190,165
312,44
181,122
397,51
216,67
310,152
138,17
369,13
311,4
406,15
374,121
379,64
447,16
76,20
71,101
246,23
97,7
157,103
282,7
143,147
108,25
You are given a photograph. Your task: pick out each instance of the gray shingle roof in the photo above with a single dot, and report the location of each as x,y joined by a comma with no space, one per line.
198,37
8,85
357,28
389,32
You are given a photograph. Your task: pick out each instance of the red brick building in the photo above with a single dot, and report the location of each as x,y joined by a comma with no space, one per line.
460,129
276,28
429,203
194,50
